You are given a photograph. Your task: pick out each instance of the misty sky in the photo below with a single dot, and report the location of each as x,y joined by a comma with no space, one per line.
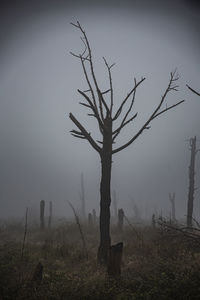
38,88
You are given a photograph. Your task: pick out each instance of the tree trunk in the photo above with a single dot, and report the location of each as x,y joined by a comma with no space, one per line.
191,182
105,196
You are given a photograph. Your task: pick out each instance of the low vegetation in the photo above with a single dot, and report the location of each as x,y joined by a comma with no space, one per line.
158,263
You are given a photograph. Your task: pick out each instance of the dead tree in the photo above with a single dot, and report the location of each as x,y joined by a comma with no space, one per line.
172,200
120,219
82,196
191,181
111,123
42,222
50,215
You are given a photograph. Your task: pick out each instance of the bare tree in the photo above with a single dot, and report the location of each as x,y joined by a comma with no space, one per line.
103,111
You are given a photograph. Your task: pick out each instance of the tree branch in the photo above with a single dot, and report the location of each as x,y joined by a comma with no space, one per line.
111,86
118,130
193,90
171,86
85,133
93,107
126,98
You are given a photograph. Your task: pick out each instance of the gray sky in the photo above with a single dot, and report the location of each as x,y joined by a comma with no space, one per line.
38,88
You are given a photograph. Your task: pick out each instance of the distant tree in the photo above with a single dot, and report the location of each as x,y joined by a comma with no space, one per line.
103,111
42,208
191,189
172,200
82,197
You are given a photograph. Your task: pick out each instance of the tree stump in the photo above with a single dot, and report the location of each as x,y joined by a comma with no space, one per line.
114,260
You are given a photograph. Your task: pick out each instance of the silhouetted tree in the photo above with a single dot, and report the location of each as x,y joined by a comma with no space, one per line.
191,181
106,117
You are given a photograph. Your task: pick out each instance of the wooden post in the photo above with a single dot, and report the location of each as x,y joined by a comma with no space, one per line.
120,219
50,215
114,260
42,207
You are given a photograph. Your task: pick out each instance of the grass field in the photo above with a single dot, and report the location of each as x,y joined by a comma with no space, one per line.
157,264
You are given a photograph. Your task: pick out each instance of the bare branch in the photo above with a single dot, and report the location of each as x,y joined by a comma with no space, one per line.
118,130
85,133
86,105
164,110
193,90
93,107
156,113
126,98
105,92
111,86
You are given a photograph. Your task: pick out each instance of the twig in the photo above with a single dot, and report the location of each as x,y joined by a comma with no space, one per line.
135,231
80,229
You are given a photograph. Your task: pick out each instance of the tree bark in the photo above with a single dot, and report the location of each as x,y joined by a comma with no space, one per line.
105,201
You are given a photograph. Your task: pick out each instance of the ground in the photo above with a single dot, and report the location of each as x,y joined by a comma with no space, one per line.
157,263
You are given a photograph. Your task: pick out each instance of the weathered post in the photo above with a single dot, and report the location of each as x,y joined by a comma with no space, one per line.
114,260
120,219
50,215
42,207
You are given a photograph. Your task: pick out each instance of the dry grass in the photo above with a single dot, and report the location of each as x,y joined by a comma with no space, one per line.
156,264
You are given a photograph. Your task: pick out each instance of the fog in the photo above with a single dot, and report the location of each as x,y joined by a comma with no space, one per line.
38,88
